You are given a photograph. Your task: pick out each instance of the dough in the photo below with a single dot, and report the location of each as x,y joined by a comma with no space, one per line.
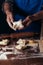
21,42
19,47
17,24
4,42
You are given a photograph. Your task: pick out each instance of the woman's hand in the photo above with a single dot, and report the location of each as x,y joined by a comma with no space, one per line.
9,19
27,21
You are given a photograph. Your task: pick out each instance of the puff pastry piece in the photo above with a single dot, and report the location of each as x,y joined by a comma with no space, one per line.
17,24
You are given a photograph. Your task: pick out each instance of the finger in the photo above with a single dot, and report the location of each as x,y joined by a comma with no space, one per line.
11,17
29,22
8,19
12,20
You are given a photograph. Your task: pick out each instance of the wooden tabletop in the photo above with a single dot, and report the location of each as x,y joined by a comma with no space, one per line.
19,35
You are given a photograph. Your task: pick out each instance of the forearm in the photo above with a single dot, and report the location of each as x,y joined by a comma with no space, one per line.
7,9
34,17
37,16
7,6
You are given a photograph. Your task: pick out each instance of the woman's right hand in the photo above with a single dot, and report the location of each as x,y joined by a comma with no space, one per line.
9,19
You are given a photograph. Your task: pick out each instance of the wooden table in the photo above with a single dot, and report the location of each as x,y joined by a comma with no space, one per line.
30,60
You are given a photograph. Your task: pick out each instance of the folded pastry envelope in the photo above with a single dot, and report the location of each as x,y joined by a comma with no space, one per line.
17,24
22,44
4,42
